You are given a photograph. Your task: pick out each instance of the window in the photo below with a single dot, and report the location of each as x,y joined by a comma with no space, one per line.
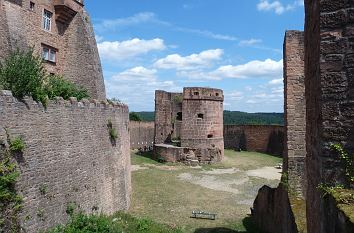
200,116
179,116
49,54
32,5
196,93
47,20
210,136
217,94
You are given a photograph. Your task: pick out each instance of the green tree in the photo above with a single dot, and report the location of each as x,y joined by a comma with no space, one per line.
133,116
23,74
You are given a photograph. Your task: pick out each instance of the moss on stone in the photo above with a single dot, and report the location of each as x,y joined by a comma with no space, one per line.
345,202
298,207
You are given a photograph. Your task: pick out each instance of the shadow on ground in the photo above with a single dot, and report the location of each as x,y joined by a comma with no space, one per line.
247,222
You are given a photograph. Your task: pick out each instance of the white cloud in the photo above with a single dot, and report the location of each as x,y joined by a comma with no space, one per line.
267,68
120,50
139,18
207,34
234,96
276,82
150,17
250,42
277,6
98,38
193,61
136,87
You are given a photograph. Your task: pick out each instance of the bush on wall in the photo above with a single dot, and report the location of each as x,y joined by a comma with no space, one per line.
24,75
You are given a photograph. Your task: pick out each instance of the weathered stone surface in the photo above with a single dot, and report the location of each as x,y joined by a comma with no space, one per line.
195,117
259,138
77,54
272,211
141,135
328,60
295,111
69,152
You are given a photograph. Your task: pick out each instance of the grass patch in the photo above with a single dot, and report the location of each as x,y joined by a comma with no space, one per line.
141,158
119,222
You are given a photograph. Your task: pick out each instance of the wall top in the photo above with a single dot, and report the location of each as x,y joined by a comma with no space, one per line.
203,93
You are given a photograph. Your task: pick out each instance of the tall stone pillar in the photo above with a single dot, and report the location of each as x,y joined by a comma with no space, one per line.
295,112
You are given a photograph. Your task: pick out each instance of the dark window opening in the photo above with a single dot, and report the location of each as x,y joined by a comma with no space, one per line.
161,134
210,136
196,93
217,94
32,5
201,116
179,116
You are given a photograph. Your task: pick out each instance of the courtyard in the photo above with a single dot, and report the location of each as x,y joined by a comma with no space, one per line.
168,193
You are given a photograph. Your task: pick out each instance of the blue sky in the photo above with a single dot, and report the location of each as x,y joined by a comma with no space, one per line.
235,45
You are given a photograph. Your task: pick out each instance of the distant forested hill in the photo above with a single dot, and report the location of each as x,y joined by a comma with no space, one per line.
237,118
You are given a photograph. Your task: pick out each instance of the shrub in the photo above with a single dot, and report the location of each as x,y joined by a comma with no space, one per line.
23,74
17,145
133,116
58,86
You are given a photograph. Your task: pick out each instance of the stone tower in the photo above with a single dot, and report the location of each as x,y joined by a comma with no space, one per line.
202,124
60,32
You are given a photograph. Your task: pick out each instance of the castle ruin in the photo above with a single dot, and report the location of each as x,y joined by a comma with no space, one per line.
70,158
60,32
192,119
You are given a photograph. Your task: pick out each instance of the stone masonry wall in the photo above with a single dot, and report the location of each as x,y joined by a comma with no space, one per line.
202,124
77,55
295,111
167,105
69,152
141,134
329,72
259,138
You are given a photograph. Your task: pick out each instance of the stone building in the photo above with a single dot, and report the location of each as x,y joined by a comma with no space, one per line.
194,120
60,32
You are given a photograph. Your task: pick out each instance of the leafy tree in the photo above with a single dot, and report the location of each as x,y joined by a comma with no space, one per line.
133,116
23,74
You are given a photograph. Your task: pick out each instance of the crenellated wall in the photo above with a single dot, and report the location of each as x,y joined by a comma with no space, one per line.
70,153
141,134
259,138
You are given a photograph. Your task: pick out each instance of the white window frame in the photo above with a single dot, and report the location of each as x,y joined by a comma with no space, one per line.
50,55
47,20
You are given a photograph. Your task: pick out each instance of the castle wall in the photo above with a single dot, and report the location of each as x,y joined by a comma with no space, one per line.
295,111
69,152
77,55
141,134
202,124
167,105
259,138
329,70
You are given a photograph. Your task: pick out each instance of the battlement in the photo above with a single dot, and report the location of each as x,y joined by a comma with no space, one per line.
7,98
202,93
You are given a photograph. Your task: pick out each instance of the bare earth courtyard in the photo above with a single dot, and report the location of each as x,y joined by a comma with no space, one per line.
168,193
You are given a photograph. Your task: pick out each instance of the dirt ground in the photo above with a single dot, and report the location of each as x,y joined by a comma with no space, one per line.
168,193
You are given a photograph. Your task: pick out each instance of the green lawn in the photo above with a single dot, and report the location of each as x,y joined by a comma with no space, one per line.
168,193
